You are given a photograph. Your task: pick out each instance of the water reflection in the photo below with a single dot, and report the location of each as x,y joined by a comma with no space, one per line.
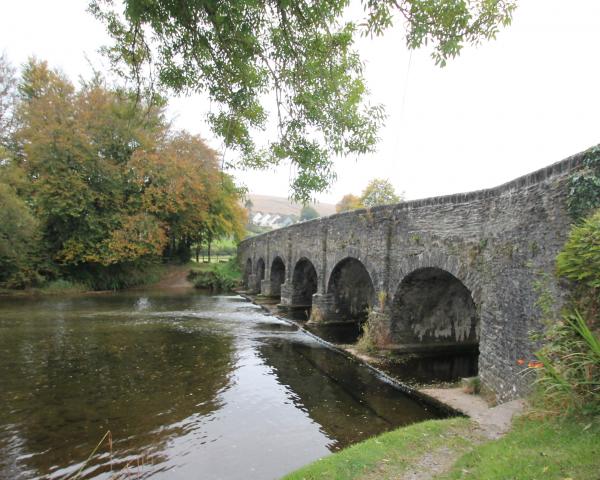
69,375
343,397
191,385
412,369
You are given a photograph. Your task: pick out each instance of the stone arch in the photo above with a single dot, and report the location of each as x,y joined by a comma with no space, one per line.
432,306
440,259
260,270
304,282
247,273
352,289
277,276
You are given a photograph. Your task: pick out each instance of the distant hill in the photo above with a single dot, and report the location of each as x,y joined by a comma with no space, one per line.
282,206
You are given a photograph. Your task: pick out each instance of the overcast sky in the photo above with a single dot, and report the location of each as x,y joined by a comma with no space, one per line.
500,110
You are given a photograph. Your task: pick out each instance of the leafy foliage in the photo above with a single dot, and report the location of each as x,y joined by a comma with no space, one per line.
569,377
584,192
7,99
237,51
75,147
221,247
347,203
374,334
110,187
579,260
447,25
19,241
379,191
219,277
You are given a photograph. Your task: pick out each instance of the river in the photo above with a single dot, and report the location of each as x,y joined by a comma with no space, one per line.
189,386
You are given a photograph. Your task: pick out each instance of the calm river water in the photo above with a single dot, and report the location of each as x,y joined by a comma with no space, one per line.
189,385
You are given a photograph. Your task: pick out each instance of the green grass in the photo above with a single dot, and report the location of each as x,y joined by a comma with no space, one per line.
533,450
63,286
388,455
213,259
216,276
54,287
536,449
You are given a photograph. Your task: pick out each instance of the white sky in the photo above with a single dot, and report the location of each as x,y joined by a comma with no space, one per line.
500,110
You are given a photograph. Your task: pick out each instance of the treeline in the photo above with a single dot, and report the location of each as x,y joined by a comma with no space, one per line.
95,185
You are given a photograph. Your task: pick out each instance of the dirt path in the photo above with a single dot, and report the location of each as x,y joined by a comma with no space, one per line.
492,421
489,423
433,463
176,277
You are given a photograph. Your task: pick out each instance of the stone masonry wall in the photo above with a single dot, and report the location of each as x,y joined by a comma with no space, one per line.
497,242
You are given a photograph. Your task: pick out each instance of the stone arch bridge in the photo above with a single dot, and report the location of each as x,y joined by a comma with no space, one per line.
452,271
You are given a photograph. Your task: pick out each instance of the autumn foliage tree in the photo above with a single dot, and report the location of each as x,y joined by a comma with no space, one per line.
347,203
110,185
379,191
18,240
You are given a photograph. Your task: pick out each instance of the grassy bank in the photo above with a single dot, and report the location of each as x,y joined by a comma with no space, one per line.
216,277
533,449
536,449
391,454
55,287
145,275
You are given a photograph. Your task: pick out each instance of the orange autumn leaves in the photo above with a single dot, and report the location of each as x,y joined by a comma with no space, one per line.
530,364
140,236
110,181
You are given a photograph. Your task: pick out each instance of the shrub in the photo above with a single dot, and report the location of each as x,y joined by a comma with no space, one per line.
374,334
63,286
579,261
569,379
569,367
19,241
584,187
218,277
365,342
472,385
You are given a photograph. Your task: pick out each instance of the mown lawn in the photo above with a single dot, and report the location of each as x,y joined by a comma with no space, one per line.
534,449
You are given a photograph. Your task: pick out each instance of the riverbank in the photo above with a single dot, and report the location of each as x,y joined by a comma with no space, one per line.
489,444
163,277
57,287
457,449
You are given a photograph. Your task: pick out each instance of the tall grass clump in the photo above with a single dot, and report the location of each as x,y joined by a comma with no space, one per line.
569,368
218,277
63,286
375,333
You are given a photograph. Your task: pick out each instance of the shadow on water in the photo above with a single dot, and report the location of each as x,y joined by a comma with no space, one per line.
185,382
423,369
413,369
